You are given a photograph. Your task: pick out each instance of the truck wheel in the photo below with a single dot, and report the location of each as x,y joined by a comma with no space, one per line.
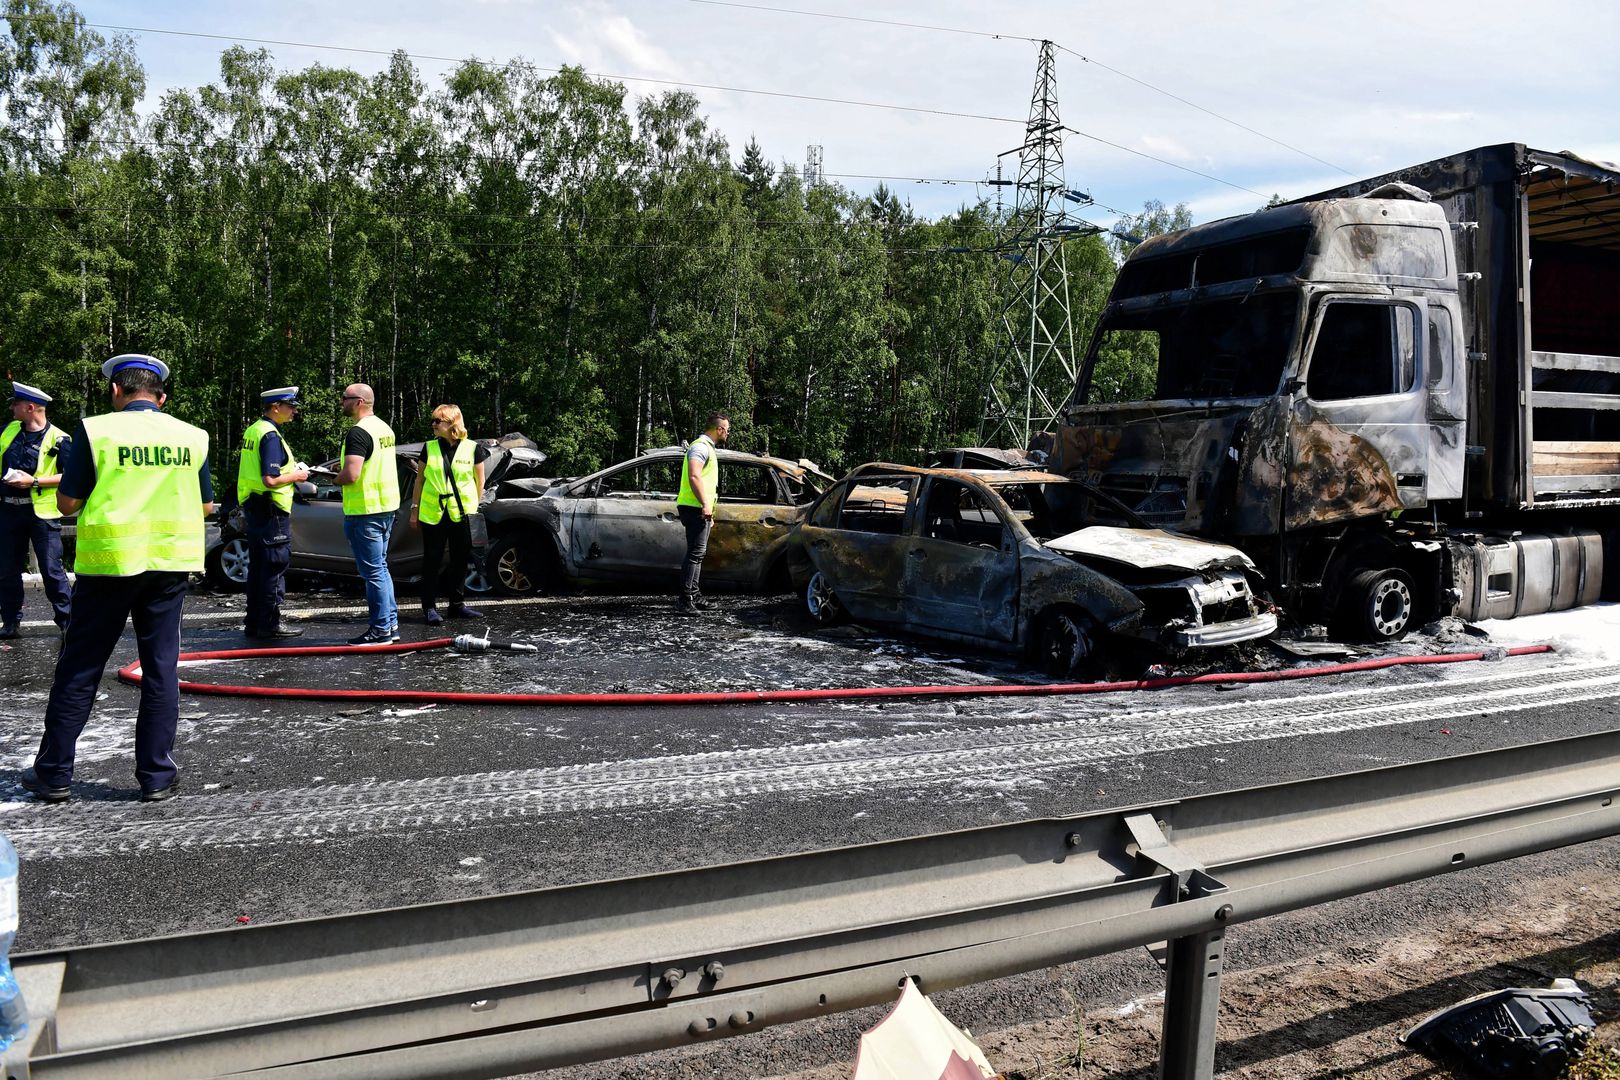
821,602
1379,604
1064,642
226,566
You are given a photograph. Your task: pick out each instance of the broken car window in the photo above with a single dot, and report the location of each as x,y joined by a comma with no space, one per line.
659,479
747,484
1362,350
1053,509
958,513
877,504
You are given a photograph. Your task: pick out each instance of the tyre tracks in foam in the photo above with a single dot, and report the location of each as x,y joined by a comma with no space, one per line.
1061,735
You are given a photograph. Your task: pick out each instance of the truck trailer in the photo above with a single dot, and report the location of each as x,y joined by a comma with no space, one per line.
1400,397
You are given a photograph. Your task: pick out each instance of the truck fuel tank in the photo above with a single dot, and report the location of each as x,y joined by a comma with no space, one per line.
1501,577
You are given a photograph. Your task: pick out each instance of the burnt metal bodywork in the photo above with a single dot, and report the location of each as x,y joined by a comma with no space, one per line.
985,556
621,525
1349,381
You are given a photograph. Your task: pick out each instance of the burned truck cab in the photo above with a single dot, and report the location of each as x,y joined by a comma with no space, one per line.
1297,386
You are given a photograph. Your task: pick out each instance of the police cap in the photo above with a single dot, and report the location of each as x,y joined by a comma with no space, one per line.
33,394
125,361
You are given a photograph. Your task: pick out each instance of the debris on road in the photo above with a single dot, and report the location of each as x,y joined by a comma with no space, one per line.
1514,1034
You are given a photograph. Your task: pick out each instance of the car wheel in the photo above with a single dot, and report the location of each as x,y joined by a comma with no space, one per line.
821,602
515,567
1379,604
226,566
1064,643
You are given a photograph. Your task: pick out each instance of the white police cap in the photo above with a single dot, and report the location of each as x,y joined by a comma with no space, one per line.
284,395
24,392
125,361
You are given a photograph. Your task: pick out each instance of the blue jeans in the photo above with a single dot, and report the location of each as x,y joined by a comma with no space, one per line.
368,536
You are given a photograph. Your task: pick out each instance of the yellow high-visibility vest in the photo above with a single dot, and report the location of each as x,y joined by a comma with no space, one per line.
438,495
710,474
146,509
377,489
250,470
44,498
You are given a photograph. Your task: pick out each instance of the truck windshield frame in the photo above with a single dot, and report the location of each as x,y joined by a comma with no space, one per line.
1230,347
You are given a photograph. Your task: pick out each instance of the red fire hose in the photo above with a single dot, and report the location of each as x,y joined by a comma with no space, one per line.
131,673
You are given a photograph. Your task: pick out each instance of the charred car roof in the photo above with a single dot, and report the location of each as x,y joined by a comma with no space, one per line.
792,468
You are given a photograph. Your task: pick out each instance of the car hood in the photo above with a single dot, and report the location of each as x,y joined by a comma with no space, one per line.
1150,549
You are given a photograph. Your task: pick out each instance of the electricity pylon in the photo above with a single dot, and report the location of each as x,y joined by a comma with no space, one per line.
1037,333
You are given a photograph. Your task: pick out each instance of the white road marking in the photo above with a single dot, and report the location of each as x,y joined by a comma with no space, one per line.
1088,731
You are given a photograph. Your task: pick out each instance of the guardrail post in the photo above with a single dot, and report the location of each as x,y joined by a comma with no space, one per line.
1192,969
1192,997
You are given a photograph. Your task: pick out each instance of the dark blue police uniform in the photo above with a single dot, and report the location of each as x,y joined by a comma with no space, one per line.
269,537
102,605
20,527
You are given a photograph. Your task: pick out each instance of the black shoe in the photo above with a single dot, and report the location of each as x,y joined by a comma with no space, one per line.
159,794
277,632
703,602
462,611
41,790
373,637
9,630
687,606
432,617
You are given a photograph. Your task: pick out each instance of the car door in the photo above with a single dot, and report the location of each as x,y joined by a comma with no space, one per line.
318,542
622,524
863,553
961,566
750,523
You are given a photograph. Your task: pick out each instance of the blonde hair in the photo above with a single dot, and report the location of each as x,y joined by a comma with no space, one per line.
452,413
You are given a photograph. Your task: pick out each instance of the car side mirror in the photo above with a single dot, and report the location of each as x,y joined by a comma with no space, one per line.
303,489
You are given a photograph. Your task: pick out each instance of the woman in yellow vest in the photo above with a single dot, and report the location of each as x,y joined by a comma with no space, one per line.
449,485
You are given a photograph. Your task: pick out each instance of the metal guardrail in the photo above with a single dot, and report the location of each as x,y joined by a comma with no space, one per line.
489,987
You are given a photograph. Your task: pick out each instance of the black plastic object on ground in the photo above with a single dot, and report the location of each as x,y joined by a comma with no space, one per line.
1516,1034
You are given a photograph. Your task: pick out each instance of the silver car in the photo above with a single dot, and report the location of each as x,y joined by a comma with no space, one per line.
619,525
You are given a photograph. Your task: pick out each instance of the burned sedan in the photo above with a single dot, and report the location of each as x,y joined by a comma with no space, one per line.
619,525
1016,560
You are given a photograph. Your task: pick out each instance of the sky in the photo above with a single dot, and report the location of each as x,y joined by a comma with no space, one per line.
1258,97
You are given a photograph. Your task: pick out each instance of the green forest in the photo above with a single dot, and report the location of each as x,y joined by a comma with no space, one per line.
555,257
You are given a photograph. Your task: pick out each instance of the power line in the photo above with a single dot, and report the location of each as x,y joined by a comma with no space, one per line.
1061,48
1160,160
861,19
1208,112
599,75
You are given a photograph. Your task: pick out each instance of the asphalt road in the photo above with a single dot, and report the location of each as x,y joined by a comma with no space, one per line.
300,809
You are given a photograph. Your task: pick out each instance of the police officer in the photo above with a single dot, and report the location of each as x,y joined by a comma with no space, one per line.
138,480
264,486
370,482
32,449
700,487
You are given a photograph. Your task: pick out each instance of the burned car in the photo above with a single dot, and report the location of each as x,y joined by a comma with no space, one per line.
1017,560
982,457
318,543
619,525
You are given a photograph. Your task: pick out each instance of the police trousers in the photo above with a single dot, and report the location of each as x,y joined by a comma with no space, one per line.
20,527
101,608
269,538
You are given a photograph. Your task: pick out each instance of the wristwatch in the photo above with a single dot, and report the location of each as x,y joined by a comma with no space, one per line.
36,483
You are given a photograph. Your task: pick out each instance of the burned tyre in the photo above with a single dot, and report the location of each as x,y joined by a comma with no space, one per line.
1379,605
515,567
226,565
1064,642
821,602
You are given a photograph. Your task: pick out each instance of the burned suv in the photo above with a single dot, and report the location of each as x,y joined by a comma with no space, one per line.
619,525
1016,560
